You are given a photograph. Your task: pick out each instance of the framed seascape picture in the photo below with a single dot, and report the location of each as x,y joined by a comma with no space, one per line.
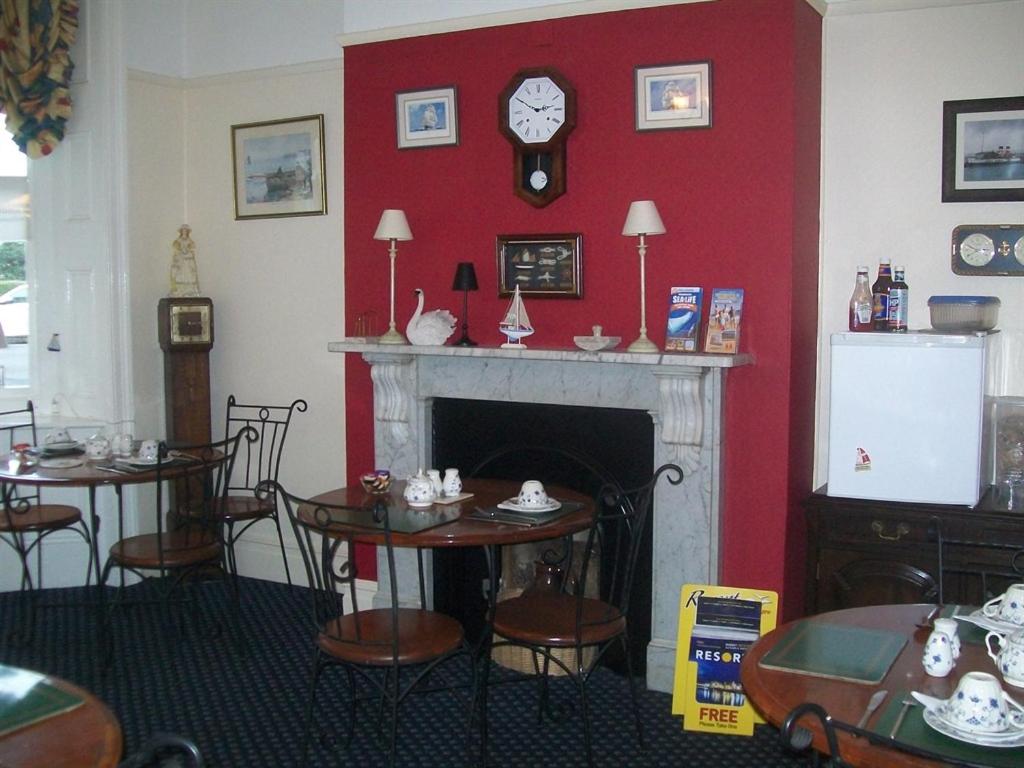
541,265
673,96
427,118
983,150
279,168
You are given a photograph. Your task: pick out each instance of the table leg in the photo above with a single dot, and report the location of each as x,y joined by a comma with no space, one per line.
94,527
483,653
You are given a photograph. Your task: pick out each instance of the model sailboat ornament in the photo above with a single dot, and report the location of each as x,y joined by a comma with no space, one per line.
516,323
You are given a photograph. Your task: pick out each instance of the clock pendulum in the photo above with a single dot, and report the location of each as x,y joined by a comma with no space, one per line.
538,179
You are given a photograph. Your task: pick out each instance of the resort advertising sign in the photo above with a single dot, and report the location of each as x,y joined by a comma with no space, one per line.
716,626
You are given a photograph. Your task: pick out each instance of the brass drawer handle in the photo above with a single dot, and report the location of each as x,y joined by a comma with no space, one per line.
879,528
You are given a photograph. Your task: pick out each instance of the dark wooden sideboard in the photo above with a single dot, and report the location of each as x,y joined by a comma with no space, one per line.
864,552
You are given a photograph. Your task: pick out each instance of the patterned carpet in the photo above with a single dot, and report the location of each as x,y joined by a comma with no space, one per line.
245,710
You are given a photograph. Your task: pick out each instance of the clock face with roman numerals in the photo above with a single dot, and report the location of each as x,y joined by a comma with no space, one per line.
536,110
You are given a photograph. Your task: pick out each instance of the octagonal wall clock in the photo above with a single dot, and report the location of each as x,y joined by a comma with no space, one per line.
536,113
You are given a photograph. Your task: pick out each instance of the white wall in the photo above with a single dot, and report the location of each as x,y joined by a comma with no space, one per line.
885,78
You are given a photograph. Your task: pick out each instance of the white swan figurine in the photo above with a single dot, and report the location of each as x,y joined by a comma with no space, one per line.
431,328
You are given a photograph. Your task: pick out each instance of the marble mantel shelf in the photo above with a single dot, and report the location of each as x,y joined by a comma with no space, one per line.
683,393
692,359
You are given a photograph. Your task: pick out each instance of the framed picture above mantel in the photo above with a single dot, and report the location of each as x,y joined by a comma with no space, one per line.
541,265
983,150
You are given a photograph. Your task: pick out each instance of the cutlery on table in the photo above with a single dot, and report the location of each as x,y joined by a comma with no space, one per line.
926,622
907,704
930,702
876,701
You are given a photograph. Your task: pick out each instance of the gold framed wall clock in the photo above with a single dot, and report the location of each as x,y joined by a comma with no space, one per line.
536,113
988,249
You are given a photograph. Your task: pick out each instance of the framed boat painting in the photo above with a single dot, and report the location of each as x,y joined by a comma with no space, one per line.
983,150
279,168
541,265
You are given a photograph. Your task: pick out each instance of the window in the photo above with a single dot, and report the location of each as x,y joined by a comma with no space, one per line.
15,298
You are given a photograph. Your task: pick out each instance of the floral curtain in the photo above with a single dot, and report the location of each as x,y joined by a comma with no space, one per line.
35,70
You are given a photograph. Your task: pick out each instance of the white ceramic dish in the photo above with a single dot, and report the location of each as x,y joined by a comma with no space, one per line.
513,506
1013,737
419,504
596,343
59,463
989,624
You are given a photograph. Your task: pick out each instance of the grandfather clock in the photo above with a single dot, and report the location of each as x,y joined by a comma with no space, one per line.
186,337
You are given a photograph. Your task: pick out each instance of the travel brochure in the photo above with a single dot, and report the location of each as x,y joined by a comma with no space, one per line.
723,324
717,625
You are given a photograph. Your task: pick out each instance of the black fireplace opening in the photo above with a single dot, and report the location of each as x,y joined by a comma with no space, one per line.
618,441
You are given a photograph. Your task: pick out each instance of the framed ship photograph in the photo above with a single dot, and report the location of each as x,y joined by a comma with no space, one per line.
983,150
427,118
279,168
541,265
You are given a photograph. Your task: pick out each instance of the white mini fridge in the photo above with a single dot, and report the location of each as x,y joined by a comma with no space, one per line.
907,416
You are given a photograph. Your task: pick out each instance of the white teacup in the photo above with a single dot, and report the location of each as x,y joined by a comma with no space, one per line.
980,704
1008,606
148,450
532,494
57,437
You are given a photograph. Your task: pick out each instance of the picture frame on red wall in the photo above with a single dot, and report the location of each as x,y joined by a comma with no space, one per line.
427,118
673,96
541,265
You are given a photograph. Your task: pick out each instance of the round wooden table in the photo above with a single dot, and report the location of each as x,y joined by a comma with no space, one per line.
91,475
463,531
775,693
88,736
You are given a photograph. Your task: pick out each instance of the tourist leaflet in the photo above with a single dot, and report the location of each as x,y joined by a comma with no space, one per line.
724,314
683,332
717,624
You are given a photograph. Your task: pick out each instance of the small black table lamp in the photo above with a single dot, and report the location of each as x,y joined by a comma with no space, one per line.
465,281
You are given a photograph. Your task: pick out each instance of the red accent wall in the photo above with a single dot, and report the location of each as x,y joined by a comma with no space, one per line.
739,201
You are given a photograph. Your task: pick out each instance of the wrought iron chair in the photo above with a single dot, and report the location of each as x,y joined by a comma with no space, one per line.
374,646
546,621
188,543
165,750
25,521
257,461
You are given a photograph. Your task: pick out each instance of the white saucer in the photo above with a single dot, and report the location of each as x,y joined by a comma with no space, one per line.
1006,739
512,505
136,461
67,445
419,504
59,463
989,624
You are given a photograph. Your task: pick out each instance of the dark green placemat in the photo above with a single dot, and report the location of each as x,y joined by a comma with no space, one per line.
836,651
917,733
26,698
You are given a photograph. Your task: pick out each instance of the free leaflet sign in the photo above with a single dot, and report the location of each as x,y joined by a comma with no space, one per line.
716,626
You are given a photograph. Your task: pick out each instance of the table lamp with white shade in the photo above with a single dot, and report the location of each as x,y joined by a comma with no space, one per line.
643,220
392,227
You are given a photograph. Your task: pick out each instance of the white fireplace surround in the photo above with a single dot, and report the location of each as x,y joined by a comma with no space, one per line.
682,392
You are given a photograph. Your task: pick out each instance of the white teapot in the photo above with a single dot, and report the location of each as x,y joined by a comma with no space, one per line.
1010,659
419,490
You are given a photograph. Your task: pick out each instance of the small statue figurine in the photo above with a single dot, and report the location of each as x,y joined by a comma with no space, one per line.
184,272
